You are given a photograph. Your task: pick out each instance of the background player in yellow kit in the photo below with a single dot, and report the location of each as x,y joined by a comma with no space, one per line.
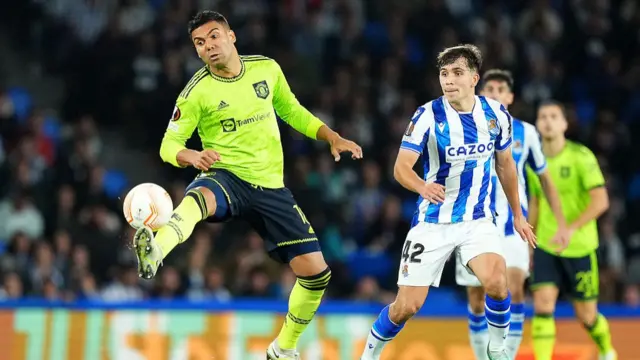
572,266
231,101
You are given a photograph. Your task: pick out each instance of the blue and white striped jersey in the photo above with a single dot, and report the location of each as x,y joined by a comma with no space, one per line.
527,150
457,151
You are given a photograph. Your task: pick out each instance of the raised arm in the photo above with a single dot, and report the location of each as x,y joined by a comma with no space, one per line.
298,117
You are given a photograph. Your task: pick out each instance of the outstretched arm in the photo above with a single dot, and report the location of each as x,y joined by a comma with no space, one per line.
298,117
291,111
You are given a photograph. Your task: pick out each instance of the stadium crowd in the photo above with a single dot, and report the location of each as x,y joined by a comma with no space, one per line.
362,66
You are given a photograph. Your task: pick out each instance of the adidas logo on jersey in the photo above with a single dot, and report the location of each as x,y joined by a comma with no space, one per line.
222,105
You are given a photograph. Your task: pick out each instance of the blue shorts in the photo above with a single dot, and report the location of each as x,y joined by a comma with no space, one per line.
273,213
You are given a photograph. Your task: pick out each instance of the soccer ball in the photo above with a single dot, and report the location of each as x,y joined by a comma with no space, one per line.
148,205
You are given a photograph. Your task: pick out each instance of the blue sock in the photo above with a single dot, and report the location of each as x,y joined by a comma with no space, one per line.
498,313
478,334
382,331
384,328
477,322
515,330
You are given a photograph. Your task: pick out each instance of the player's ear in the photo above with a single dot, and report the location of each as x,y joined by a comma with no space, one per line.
232,36
476,78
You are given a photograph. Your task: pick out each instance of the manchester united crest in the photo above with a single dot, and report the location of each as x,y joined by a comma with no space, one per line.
262,89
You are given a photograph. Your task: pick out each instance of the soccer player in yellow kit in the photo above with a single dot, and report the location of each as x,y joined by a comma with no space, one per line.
573,266
231,101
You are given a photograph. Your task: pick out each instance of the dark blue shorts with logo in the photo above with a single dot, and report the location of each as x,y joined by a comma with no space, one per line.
273,213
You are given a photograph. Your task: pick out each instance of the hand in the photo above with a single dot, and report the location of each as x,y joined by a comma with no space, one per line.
432,192
203,160
562,237
525,230
340,145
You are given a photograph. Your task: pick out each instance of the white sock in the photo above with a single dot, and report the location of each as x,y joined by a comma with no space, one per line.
498,314
478,334
373,348
382,331
515,329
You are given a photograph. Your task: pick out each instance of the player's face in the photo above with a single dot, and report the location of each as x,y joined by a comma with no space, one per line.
551,123
499,91
214,43
458,81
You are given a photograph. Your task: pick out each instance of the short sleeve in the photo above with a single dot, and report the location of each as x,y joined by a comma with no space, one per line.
417,133
505,123
536,159
591,175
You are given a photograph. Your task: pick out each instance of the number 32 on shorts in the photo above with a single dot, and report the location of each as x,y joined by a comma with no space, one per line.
412,251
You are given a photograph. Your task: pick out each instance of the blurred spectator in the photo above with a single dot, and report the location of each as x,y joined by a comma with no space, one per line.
212,289
20,215
43,275
368,290
11,287
124,287
361,66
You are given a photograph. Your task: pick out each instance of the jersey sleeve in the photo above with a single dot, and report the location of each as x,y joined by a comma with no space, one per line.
590,173
505,123
417,133
536,159
289,109
185,118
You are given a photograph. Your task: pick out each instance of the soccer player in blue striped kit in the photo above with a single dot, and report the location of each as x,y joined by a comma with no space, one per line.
457,135
526,150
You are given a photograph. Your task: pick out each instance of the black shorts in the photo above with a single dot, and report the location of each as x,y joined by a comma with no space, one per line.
273,213
577,277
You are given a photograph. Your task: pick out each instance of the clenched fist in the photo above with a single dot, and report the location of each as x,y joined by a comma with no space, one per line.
204,159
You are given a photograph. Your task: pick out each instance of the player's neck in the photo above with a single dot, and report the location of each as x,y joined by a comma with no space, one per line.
553,147
231,69
464,105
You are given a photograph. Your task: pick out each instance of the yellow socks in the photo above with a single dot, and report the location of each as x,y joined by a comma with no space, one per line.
191,210
303,303
600,334
543,329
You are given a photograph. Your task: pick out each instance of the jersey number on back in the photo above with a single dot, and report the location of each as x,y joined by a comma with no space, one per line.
417,248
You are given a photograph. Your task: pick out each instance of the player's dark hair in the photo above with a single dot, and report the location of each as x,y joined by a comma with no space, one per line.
469,52
205,16
498,75
557,103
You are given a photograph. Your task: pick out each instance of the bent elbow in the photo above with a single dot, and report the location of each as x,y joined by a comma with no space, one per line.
163,152
397,173
169,152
